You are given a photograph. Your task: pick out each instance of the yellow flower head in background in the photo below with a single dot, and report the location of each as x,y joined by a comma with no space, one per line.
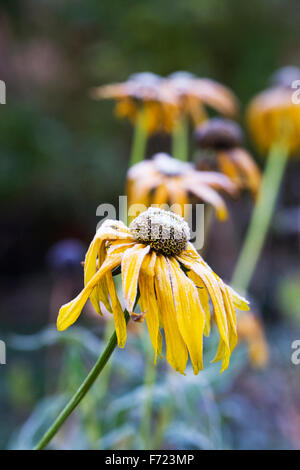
172,284
193,94
274,116
220,141
165,180
164,100
143,92
251,331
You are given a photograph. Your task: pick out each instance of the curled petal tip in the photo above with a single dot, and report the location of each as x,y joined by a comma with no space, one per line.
137,317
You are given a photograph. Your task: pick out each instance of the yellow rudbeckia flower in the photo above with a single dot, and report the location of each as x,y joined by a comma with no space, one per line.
166,180
220,141
273,118
143,92
194,94
170,281
164,101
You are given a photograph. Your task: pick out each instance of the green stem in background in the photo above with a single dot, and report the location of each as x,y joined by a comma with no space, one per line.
139,143
149,383
180,140
164,418
81,392
261,218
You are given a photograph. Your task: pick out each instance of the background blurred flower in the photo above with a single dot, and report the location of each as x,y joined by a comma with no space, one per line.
273,117
193,94
220,142
165,100
165,180
64,259
285,76
251,331
142,92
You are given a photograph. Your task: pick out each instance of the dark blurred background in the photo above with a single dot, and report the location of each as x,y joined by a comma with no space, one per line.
62,154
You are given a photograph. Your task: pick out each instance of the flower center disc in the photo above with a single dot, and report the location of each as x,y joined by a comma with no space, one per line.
164,231
218,133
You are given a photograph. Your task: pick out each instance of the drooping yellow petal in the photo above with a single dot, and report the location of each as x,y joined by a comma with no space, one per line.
248,168
118,246
176,352
231,317
69,312
113,230
203,298
212,284
148,301
223,354
209,195
213,179
119,319
229,168
203,295
131,264
214,291
109,248
251,331
160,195
239,302
138,193
109,230
101,289
231,300
142,178
189,314
215,95
177,196
90,268
191,253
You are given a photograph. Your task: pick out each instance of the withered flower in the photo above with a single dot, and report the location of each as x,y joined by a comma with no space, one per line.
164,101
165,180
142,93
220,141
162,271
194,94
251,331
274,115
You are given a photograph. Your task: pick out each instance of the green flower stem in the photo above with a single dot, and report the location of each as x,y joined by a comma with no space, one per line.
139,143
180,140
105,377
81,392
261,218
163,420
109,327
149,383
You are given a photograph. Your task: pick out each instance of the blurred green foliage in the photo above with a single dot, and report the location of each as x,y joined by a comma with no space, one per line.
57,142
